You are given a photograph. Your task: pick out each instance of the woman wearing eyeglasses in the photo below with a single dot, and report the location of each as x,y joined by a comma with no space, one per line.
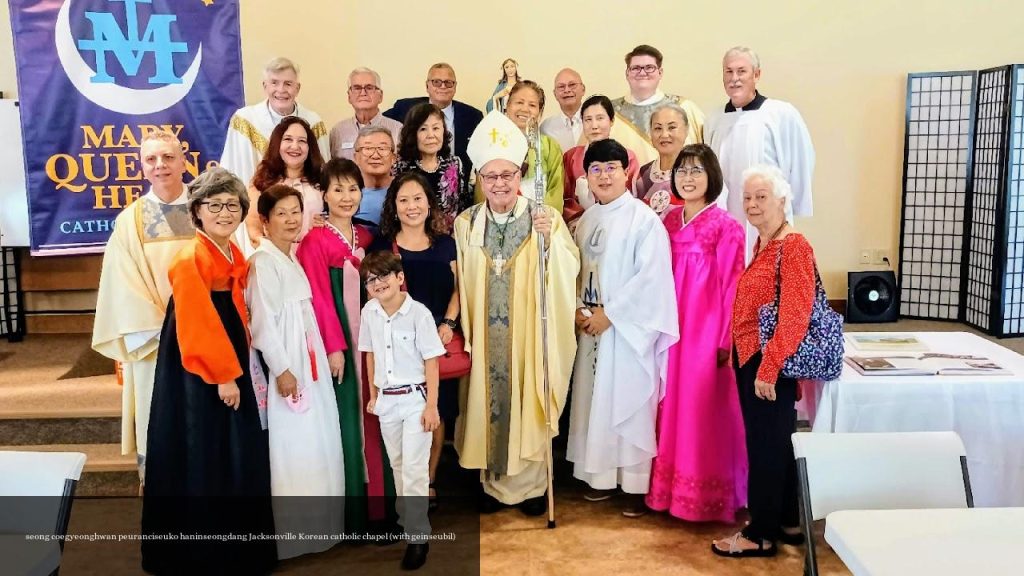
654,183
700,471
425,146
598,116
289,160
509,77
207,463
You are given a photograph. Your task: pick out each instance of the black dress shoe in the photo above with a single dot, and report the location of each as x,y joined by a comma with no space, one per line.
415,556
432,500
534,506
489,504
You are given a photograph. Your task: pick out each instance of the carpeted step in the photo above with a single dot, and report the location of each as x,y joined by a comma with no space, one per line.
106,472
37,429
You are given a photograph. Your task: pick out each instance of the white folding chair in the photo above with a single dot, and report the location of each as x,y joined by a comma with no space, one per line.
36,493
877,471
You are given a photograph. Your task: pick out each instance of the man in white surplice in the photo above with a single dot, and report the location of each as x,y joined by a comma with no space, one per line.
626,314
134,288
754,129
250,127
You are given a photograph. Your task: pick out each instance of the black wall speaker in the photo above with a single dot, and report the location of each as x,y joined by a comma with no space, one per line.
872,296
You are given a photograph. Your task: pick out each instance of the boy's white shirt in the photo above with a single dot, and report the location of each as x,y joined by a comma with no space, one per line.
400,343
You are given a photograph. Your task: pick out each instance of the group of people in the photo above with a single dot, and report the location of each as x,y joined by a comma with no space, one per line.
282,319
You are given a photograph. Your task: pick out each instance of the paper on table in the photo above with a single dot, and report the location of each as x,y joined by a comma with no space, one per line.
886,341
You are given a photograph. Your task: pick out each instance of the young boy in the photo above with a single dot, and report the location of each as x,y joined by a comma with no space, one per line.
402,347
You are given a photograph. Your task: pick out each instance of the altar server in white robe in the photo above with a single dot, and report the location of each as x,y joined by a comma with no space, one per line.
134,288
626,315
302,416
753,130
250,127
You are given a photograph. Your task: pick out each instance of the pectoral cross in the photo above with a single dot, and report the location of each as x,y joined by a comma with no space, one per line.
499,265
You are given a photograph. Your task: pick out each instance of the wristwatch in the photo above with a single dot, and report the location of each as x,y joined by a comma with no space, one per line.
451,323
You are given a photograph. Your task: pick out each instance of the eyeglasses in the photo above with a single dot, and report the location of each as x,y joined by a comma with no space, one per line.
570,86
356,88
371,280
370,151
647,69
491,179
216,207
692,171
437,83
608,169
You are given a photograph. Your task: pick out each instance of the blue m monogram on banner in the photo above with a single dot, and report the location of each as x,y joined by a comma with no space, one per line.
127,46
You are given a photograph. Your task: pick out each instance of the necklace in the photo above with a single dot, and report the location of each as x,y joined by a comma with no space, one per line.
774,236
499,261
437,166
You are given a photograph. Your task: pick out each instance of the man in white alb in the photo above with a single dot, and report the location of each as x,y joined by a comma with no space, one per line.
250,127
753,129
134,288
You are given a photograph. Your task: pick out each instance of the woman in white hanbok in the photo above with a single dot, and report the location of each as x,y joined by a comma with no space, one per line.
306,464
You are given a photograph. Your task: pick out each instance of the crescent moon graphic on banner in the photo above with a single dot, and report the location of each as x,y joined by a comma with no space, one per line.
111,96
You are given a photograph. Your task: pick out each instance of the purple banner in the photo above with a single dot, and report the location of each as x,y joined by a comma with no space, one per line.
94,76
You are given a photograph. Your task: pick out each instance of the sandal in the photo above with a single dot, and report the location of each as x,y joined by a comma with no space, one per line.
764,548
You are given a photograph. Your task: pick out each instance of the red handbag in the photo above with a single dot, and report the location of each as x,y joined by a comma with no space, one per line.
455,362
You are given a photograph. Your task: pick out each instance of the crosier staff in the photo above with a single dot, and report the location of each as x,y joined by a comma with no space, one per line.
539,186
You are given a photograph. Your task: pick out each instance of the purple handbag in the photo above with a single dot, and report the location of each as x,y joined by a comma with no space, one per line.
820,355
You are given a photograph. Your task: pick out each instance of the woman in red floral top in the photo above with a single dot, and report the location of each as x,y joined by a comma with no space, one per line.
766,397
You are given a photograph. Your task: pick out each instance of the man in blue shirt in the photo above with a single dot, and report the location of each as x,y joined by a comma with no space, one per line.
374,153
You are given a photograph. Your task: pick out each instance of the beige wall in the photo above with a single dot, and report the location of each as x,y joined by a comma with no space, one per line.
842,63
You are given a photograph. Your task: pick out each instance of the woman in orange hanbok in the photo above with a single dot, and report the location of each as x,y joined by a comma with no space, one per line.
208,468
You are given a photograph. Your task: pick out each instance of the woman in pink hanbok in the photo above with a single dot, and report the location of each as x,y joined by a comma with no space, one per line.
700,472
331,255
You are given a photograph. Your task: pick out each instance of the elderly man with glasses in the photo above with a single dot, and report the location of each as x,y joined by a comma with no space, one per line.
633,111
566,126
375,156
504,427
461,118
365,95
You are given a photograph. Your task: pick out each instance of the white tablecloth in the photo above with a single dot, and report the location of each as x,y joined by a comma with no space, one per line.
972,542
986,411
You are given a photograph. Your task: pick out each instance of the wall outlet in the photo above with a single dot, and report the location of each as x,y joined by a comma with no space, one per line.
880,256
865,256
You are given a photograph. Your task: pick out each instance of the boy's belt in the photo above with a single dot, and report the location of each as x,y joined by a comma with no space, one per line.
404,389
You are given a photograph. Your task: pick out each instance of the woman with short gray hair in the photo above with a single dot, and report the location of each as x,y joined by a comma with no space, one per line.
206,451
668,130
783,272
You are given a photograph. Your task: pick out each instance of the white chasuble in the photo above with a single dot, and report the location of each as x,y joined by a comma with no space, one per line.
132,301
618,377
503,428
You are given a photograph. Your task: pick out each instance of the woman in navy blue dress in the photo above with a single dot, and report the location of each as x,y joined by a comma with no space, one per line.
413,225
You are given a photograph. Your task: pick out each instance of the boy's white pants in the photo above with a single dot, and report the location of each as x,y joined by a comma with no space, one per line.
408,447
